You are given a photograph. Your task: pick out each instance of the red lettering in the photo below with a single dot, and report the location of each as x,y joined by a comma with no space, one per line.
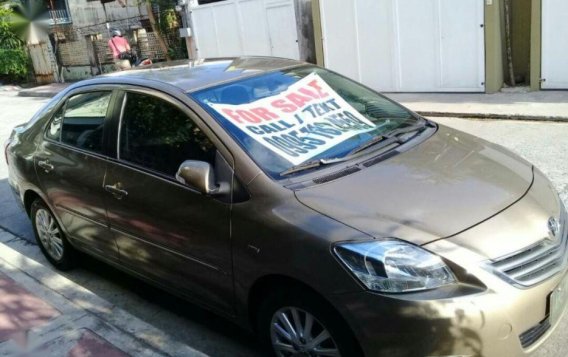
250,117
298,99
314,84
308,93
284,106
232,115
264,113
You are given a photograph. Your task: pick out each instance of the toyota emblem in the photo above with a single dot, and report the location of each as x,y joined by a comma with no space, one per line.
553,228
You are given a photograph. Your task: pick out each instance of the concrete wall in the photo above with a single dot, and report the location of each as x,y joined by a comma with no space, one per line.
92,13
74,53
318,36
77,73
536,43
494,46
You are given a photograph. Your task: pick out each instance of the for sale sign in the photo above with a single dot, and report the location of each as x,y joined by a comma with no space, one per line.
299,123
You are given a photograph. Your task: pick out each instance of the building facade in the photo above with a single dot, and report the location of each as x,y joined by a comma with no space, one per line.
80,30
390,45
445,45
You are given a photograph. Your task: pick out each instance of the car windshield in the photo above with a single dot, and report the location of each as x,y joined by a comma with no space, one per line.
289,118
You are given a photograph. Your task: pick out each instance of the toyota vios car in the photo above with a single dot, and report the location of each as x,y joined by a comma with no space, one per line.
292,200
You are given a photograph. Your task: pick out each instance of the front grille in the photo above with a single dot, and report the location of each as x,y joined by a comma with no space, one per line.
534,264
531,335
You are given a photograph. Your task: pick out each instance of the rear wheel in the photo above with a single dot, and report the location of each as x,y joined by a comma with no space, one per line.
299,323
50,237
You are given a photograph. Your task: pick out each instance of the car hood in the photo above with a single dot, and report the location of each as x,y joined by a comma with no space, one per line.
441,187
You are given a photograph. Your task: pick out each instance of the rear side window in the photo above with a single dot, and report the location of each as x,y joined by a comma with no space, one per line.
54,129
157,135
80,121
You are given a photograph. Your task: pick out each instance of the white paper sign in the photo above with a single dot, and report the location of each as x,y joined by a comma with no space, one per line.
299,123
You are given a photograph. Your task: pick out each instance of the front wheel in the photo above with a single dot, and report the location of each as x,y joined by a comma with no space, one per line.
301,324
50,238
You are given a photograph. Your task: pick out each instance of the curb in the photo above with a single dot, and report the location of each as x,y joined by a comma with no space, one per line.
44,91
31,94
487,116
480,116
137,335
9,88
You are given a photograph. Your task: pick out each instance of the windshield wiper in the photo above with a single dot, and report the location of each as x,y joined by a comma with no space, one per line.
303,166
382,141
313,164
392,137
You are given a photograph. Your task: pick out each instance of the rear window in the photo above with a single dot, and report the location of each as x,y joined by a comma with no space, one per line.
80,122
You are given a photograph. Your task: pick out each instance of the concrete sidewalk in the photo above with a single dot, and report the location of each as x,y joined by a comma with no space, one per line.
45,91
43,313
9,88
514,105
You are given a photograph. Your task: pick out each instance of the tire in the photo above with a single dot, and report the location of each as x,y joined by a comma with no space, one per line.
50,238
284,301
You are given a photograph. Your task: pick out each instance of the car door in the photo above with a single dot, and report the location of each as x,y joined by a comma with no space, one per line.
71,164
165,230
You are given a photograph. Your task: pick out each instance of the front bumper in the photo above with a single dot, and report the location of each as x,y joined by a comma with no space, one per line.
488,323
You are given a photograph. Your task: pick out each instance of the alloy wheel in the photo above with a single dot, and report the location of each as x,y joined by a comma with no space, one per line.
297,333
49,234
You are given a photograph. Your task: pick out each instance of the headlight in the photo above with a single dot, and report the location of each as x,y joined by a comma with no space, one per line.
394,266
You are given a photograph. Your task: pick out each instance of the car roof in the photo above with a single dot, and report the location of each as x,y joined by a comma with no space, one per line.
190,76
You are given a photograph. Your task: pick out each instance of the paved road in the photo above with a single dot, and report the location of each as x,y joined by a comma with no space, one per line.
545,144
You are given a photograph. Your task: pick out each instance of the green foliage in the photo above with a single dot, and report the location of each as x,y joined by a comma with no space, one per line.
169,19
13,56
8,38
168,23
13,63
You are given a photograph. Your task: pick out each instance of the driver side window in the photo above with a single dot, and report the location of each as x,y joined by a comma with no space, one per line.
156,135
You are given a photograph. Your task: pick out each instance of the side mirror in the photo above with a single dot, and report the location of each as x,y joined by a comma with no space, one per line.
200,175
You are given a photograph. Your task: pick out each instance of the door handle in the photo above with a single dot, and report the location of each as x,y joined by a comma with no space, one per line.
45,165
116,191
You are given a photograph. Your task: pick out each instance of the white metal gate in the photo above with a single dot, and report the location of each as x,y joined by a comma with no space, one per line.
407,45
246,27
554,54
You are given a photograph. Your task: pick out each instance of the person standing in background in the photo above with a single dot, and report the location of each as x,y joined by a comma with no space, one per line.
120,50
